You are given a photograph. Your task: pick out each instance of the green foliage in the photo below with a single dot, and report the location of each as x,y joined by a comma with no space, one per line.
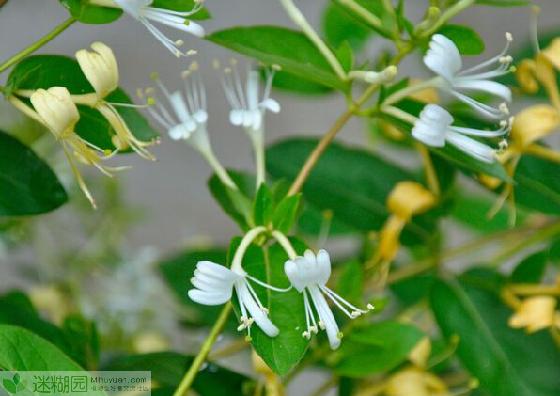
531,269
182,5
339,27
537,186
467,39
356,198
376,348
289,49
235,203
167,369
45,71
87,13
493,352
29,186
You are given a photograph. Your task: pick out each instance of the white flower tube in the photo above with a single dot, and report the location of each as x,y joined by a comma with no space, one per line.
444,59
309,275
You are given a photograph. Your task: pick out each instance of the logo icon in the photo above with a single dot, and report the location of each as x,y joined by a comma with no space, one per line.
14,385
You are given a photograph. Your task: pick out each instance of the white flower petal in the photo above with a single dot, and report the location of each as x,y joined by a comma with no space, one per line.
236,117
261,319
271,105
491,87
472,147
324,265
206,298
217,270
443,57
325,316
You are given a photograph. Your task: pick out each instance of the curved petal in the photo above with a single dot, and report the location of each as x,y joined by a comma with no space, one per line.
206,298
261,319
472,147
325,316
216,270
491,87
324,265
292,272
443,57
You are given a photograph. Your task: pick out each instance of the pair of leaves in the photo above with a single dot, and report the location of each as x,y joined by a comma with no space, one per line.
28,186
493,352
279,213
45,71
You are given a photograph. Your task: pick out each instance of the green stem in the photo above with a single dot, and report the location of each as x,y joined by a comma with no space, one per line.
200,358
446,16
544,234
38,44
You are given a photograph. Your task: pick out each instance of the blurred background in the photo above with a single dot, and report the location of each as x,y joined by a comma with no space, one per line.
165,206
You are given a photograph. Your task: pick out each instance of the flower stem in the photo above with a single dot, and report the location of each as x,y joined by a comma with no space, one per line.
285,243
243,245
200,358
258,147
363,13
446,16
218,168
327,138
431,174
297,17
38,44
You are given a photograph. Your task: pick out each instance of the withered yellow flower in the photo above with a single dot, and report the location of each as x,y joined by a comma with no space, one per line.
532,124
535,313
421,352
415,382
405,200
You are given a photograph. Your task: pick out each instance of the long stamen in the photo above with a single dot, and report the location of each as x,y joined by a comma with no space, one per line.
314,328
492,60
266,285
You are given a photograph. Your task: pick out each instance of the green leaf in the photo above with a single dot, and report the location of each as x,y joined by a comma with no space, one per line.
182,5
21,350
531,269
45,71
468,41
351,282
83,339
413,289
87,13
285,213
9,385
289,49
29,186
235,203
263,205
284,351
376,348
168,368
537,185
473,210
340,27
494,353
292,83
356,198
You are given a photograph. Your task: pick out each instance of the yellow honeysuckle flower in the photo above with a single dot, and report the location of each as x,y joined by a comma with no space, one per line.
101,70
552,53
55,109
405,200
272,382
421,352
427,95
415,382
535,313
532,124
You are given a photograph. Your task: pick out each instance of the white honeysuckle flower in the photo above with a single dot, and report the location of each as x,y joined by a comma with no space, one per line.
247,109
214,285
142,11
434,128
309,275
188,116
444,59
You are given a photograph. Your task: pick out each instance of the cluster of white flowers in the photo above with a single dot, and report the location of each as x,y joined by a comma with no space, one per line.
308,274
435,127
